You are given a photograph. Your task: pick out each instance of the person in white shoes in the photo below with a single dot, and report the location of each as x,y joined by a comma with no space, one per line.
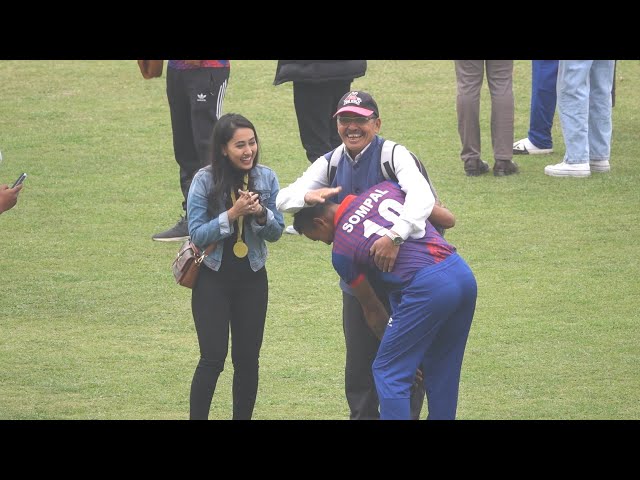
544,76
584,105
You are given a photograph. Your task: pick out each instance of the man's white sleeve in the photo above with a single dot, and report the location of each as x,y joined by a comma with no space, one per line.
419,199
291,199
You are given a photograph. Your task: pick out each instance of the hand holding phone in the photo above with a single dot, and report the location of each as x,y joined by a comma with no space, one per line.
19,180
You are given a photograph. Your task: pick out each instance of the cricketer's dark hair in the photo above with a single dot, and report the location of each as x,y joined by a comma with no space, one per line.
303,219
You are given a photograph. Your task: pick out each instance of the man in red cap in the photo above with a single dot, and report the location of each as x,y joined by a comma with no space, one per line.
359,169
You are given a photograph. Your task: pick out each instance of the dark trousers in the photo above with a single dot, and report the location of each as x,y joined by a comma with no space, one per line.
361,348
195,103
315,104
220,301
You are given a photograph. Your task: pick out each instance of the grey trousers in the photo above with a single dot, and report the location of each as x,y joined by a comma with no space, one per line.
469,77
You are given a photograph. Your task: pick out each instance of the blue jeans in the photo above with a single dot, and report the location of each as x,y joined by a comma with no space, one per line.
544,75
584,103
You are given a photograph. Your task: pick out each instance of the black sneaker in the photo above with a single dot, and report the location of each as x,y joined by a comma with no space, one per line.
177,233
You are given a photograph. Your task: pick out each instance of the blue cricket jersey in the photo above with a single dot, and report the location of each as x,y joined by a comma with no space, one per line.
361,220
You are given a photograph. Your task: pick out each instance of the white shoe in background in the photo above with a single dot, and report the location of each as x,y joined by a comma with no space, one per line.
564,169
291,231
600,166
525,147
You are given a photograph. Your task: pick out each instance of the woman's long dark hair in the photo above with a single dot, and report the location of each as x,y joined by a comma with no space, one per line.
225,176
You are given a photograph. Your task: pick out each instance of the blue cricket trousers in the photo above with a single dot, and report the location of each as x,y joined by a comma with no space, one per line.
429,327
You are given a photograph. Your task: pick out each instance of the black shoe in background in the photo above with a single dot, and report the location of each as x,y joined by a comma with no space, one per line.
503,168
178,233
475,168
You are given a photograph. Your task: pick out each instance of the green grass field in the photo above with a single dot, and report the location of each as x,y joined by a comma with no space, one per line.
92,325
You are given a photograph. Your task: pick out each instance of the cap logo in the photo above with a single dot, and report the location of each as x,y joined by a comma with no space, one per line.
352,98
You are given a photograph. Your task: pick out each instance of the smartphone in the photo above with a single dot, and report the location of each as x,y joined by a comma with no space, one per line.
19,180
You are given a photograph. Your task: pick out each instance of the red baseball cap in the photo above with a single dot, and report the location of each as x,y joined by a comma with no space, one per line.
360,103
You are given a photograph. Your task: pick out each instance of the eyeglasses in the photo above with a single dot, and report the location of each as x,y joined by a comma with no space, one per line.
356,120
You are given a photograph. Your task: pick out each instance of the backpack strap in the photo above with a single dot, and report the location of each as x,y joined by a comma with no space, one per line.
386,160
389,168
423,170
332,164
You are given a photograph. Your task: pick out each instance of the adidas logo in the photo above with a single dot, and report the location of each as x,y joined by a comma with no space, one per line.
201,97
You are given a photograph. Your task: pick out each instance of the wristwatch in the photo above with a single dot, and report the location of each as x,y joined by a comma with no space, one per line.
397,239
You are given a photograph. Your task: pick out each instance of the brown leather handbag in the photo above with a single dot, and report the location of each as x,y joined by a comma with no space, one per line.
151,68
187,263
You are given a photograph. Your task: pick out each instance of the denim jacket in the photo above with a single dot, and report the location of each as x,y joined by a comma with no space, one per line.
205,230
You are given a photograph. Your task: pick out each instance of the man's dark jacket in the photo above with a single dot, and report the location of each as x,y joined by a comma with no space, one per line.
317,71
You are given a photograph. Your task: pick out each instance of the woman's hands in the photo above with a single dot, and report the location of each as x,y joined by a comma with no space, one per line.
247,203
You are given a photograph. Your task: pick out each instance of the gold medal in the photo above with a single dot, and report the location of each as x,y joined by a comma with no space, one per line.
240,249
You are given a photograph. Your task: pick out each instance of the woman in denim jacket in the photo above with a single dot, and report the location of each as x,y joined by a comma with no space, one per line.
231,202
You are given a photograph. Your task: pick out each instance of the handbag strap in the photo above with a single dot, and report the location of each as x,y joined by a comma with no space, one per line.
206,252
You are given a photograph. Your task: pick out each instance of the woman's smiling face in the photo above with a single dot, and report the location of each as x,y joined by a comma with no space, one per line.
242,149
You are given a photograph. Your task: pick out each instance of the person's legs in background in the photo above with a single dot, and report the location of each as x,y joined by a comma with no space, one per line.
469,78
183,148
543,104
195,103
315,104
500,80
573,109
544,75
600,110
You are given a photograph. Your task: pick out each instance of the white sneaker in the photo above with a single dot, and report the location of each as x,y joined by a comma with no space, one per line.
564,169
291,231
599,166
525,147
